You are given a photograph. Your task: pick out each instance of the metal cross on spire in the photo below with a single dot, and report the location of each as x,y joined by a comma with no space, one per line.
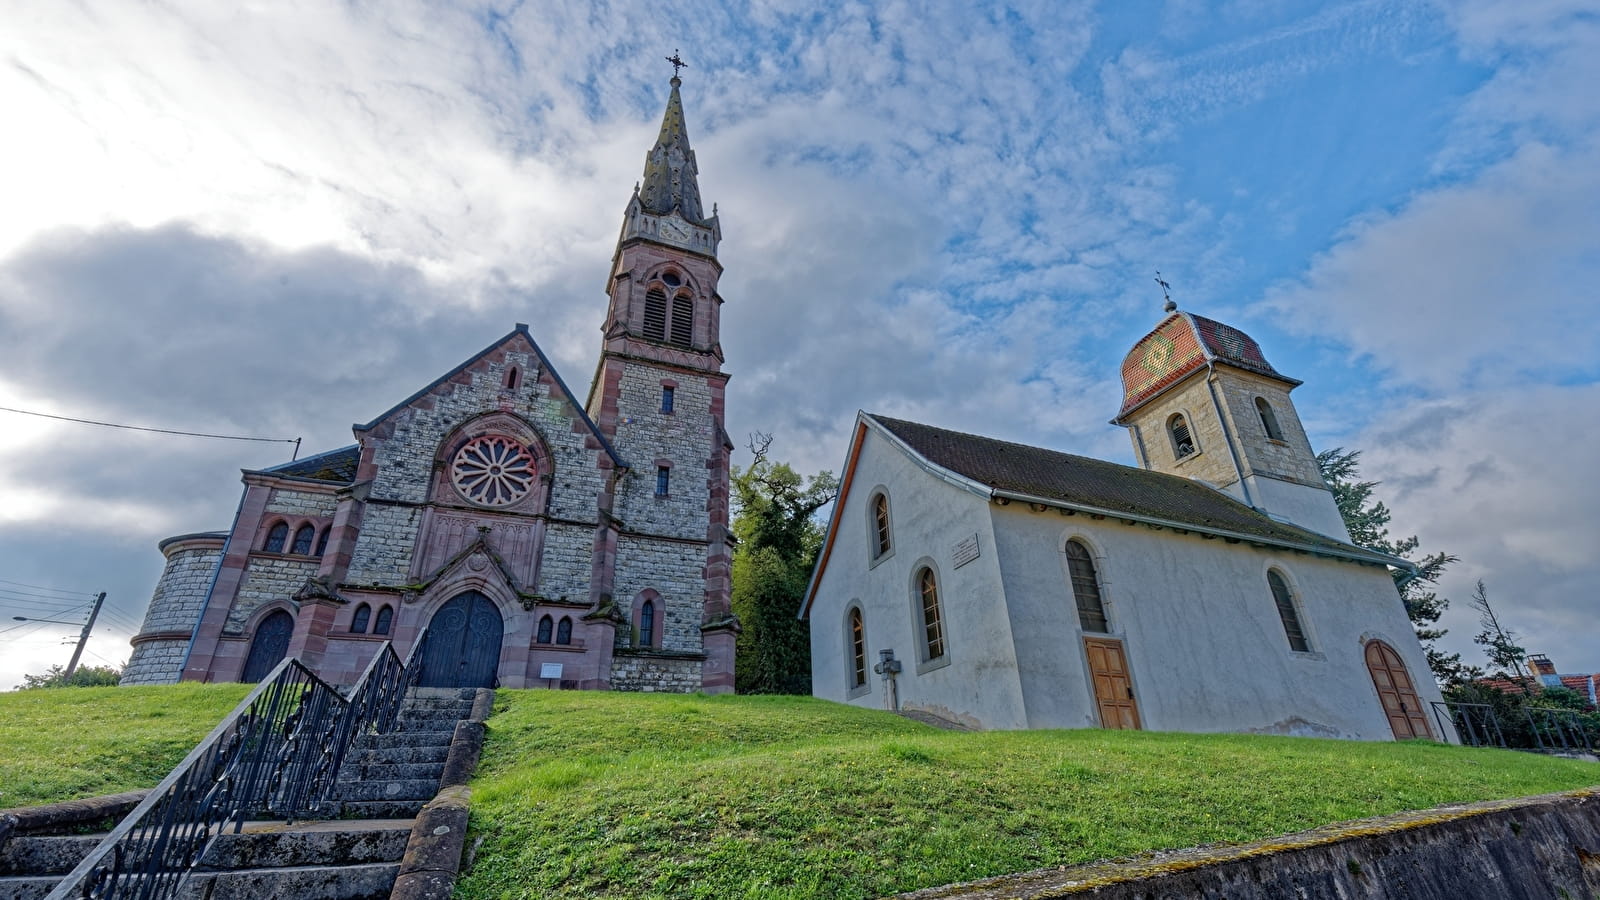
677,62
1166,293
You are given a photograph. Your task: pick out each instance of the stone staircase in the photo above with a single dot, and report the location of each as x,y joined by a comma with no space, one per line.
382,786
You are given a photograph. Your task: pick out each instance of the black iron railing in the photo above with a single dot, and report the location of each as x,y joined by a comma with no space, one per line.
1540,728
276,755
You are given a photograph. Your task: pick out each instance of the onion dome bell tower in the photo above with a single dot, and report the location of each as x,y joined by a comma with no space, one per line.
1200,400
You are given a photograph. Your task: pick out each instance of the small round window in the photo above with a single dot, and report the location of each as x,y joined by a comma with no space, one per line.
671,278
493,471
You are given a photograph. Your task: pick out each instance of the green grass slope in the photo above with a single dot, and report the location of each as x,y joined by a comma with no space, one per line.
66,743
631,795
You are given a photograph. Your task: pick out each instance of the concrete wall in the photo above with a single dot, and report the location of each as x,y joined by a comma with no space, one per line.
1203,638
1537,847
169,621
977,684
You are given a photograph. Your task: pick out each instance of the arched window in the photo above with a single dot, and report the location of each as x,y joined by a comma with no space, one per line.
1086,588
276,538
546,627
322,540
932,616
858,650
647,624
1287,612
564,630
1269,419
683,320
511,378
1182,441
881,541
655,315
358,623
303,538
385,619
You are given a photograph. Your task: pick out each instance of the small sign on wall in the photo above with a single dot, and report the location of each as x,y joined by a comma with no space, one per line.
964,551
550,670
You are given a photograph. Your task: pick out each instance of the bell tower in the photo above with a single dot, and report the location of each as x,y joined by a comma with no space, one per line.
1201,401
658,397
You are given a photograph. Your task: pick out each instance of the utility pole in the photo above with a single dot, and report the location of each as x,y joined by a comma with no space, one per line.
83,637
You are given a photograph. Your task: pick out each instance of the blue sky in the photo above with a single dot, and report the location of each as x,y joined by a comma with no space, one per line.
281,220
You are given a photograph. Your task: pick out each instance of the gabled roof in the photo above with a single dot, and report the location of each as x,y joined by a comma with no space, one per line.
544,362
1001,469
1182,344
335,465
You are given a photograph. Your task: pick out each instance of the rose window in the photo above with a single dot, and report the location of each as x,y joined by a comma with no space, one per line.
493,471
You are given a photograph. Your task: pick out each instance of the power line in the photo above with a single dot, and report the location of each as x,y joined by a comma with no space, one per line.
40,587
39,602
202,434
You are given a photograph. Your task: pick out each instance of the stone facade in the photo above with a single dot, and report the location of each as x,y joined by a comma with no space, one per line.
494,495
163,641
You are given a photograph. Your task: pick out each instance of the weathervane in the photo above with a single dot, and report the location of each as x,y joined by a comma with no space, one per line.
677,62
1166,293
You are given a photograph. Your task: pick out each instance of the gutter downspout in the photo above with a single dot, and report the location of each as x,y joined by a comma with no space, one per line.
1227,434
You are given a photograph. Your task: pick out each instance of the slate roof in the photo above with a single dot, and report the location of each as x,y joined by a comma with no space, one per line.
335,465
1182,344
1064,477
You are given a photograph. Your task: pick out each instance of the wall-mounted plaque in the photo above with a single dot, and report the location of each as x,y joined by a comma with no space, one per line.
965,551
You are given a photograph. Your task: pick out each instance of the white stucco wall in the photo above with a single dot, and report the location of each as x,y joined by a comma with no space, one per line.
929,516
1308,507
1203,639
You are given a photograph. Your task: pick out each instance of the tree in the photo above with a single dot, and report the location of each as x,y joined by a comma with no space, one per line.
1499,644
778,543
85,676
1367,521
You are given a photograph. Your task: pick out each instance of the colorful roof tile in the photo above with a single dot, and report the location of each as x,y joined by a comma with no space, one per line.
1183,344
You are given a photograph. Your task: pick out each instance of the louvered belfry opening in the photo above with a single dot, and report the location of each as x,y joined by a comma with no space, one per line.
682,320
655,315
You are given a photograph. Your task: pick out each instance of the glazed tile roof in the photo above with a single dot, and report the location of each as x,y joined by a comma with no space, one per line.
1064,477
334,465
1182,344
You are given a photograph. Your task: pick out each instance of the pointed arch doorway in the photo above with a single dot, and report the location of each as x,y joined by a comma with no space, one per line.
269,646
463,643
1401,705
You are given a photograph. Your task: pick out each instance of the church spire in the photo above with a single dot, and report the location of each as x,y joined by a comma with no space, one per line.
670,173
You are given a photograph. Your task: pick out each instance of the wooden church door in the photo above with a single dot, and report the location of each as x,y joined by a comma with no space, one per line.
1113,686
269,646
1407,719
463,643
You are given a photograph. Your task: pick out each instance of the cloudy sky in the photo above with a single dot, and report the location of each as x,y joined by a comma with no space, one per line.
278,219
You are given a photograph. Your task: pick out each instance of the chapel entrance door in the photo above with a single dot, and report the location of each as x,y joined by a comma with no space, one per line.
1400,701
1113,686
269,646
463,643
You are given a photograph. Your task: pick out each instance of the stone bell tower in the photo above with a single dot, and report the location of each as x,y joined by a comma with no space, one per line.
1201,401
658,397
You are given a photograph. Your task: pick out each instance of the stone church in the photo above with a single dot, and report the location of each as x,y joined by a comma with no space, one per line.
1211,588
540,539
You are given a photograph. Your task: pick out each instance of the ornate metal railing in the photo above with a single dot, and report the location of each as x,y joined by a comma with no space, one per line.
1475,723
276,755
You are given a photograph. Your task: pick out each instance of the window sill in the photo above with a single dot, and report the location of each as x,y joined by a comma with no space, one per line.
927,666
1187,459
1311,655
872,563
861,691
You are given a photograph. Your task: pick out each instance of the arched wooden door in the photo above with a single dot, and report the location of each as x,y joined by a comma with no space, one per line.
269,646
1401,704
463,643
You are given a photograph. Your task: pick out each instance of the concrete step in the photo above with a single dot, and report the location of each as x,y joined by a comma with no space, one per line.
25,855
326,843
404,739
449,703
371,881
26,887
381,809
403,789
449,716
397,756
427,693
442,728
391,772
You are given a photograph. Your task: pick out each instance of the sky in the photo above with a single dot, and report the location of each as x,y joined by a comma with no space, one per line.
277,219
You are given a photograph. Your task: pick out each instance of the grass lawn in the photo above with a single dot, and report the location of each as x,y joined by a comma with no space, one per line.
634,795
66,743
